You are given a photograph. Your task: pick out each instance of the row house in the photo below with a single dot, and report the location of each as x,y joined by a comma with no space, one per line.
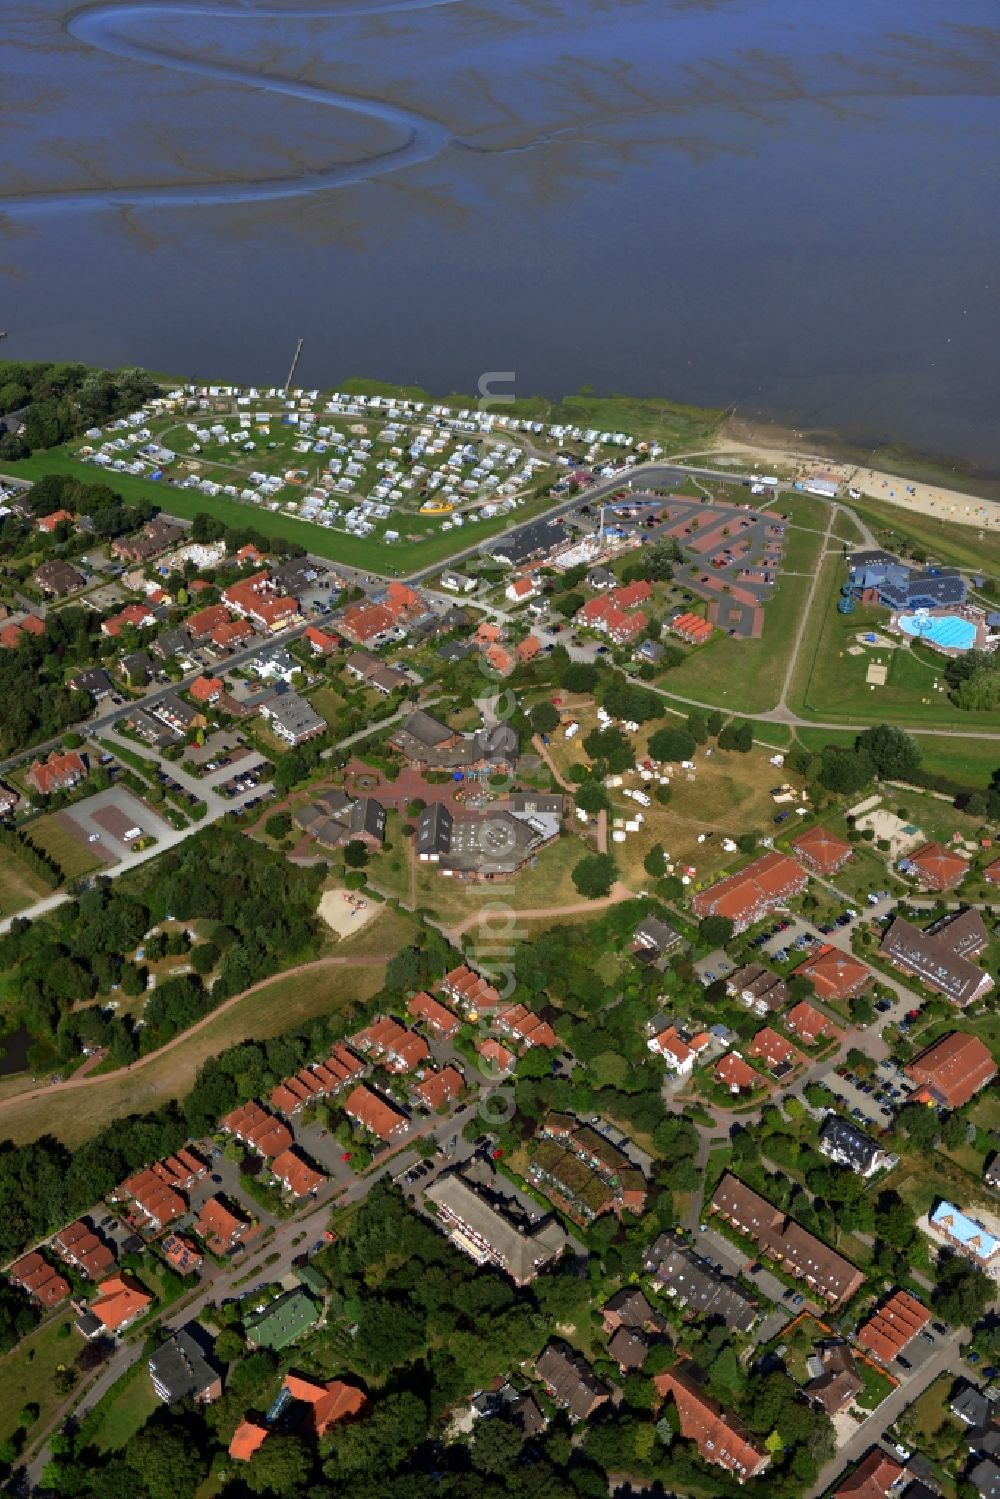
779,1237
523,1025
296,1175
754,892
398,1049
469,991
441,1020
255,1127
42,1283
219,1227
759,989
79,1246
374,1113
319,1080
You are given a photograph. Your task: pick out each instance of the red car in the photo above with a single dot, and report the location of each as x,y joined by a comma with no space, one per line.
497,1154
346,1156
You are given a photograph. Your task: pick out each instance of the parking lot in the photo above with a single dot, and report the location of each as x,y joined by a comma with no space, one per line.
872,1103
102,820
735,1261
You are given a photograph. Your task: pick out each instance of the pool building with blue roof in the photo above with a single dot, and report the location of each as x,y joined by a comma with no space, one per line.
967,1235
877,577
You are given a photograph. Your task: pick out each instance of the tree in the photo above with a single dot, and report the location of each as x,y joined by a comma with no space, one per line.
954,1132
921,1124
963,1292
716,931
737,735
590,796
544,717
355,854
654,861
281,1465
660,559
893,753
594,875
579,676
496,1448
697,726
166,1460
671,744
278,826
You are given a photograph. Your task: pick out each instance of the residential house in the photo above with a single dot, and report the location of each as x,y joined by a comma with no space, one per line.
876,1477
155,537
181,1254
233,633
678,1052
798,1252
94,680
836,1384
759,989
457,582
398,1049
778,1055
439,1089
9,800
292,718
499,1060
833,973
953,1069
256,598
57,578
570,1381
120,1301
33,1274
809,1024
582,1171
653,941
443,1022
295,1174
282,1321
522,1025
432,745
203,624
205,690
374,1113
138,616
321,642
365,624
721,1438
256,1128
891,1328
60,772
520,590
692,628
469,991
732,1072
180,1371
972,1406
963,932
935,867
967,1235
845,1143
629,1308
219,1227
931,959
604,615
78,1245
760,889
177,714
696,1285
54,519
821,851
493,1231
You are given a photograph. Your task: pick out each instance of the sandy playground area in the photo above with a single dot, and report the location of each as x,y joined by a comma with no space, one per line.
346,911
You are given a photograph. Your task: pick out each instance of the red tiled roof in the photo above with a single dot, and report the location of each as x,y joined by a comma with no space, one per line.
693,628
232,632
56,772
206,689
329,1403
207,620
296,1174
821,849
321,640
753,891
938,866
424,1007
893,1325
495,1052
835,974
955,1068
631,594
873,1478
474,991
365,621
528,648
807,1022
119,1300
247,1437
771,1048
719,1436
733,1072
440,1087
374,1113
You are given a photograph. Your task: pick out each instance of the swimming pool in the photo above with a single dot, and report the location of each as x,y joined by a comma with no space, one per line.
950,631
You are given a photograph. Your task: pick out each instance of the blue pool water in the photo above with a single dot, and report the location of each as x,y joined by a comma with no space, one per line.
948,630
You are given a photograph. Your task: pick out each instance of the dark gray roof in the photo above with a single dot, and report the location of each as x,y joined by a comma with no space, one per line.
931,959
434,829
692,1280
986,1478
962,932
529,541
970,1405
368,816
456,650
628,1348
170,643
651,930
427,729
571,1379
180,1369
844,1142
94,680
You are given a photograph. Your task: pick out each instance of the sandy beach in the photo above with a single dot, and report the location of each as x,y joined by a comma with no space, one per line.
909,494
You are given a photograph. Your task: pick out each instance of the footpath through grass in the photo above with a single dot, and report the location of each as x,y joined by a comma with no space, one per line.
73,1115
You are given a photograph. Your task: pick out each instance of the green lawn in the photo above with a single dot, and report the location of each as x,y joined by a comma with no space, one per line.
28,1371
118,1416
831,683
744,675
802,549
877,1386
19,887
72,854
365,552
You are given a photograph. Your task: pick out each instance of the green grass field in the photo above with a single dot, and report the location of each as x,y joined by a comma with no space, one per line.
74,857
119,1415
744,675
364,552
28,1371
830,682
18,886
